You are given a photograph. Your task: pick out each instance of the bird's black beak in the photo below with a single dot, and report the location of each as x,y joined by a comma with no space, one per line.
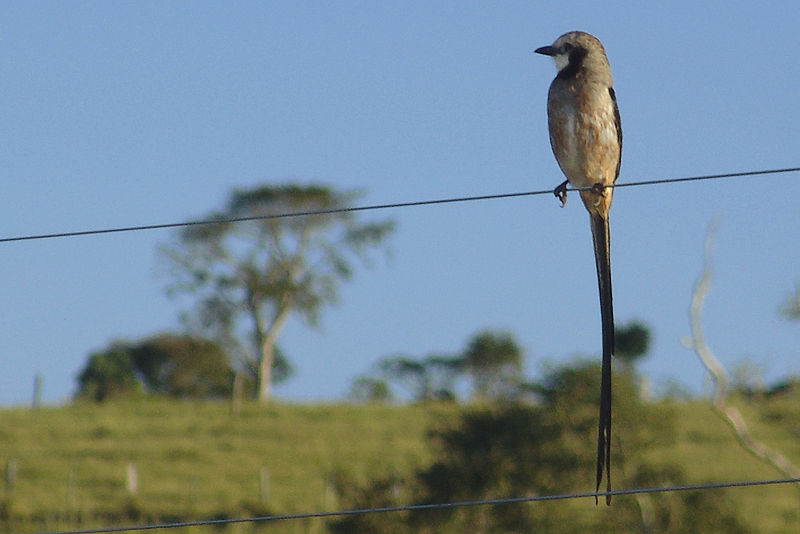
546,51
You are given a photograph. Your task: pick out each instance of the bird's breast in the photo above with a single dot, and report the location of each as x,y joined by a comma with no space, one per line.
583,135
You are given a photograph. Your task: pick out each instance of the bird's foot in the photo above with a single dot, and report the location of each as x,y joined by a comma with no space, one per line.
599,188
561,192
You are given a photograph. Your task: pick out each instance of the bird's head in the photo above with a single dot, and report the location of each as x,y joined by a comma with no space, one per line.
571,50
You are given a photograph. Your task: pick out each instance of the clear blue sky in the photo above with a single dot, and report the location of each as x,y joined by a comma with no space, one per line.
127,113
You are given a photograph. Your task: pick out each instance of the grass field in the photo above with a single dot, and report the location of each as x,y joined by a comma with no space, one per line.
197,460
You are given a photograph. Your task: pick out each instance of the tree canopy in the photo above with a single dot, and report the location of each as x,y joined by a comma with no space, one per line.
491,363
632,342
109,373
182,366
169,364
494,361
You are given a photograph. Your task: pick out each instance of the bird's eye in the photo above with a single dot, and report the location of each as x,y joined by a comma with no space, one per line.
566,48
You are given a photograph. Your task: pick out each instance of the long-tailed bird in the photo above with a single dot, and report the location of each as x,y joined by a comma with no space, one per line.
586,137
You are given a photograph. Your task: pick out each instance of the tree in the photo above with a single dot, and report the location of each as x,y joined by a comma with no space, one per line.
264,266
426,379
370,389
791,307
491,360
107,374
494,361
182,366
169,364
632,342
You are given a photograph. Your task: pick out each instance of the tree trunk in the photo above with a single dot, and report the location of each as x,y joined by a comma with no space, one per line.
265,370
267,348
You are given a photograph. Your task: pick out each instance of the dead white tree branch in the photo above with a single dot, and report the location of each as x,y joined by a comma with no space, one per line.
719,375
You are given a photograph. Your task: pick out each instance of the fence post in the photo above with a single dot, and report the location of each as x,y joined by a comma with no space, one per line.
11,475
264,486
131,479
72,484
329,497
37,390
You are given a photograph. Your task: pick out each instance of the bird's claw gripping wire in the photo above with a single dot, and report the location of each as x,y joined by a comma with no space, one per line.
561,192
599,188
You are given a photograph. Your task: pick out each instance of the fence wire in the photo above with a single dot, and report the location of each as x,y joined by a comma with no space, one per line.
451,200
433,506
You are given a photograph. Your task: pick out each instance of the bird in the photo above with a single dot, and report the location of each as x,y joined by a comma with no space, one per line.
586,138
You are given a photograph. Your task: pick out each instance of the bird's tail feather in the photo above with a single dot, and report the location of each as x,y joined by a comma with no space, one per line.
602,246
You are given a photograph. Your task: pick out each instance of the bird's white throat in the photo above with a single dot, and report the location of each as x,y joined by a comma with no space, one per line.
562,60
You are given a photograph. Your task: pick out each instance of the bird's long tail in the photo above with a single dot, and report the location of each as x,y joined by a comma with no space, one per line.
602,246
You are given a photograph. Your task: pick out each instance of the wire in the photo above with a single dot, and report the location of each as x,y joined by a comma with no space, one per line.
700,178
381,206
435,506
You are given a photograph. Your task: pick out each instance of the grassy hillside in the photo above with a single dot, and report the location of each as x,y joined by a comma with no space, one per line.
708,451
196,460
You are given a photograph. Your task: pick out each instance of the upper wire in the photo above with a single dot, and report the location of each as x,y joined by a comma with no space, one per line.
380,206
432,506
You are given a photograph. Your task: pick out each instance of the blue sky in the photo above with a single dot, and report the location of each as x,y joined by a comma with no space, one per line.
127,113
